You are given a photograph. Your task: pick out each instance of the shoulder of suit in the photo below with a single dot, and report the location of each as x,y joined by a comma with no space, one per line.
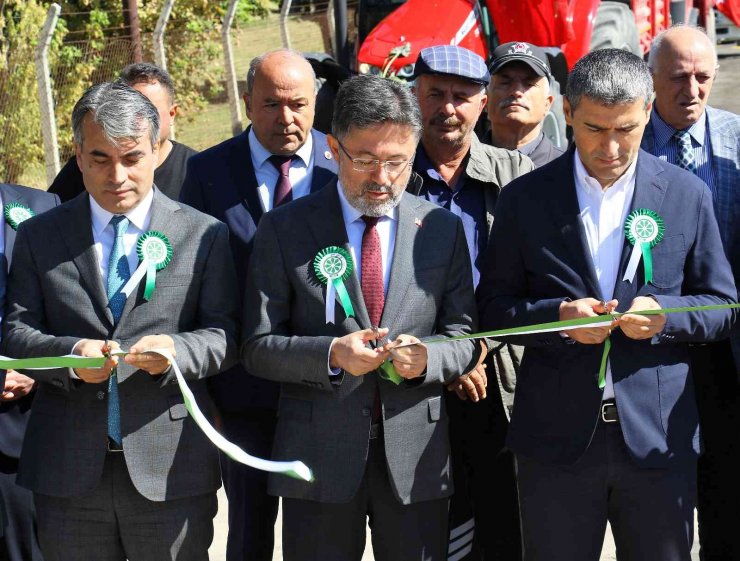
219,150
723,121
184,148
682,183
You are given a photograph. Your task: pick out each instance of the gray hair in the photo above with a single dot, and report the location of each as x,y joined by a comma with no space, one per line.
657,43
121,111
610,77
365,101
257,61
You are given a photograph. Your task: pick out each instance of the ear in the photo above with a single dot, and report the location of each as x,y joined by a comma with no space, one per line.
78,155
174,110
247,106
548,102
483,102
568,112
333,146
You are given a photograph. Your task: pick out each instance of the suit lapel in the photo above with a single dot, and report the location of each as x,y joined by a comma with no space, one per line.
567,215
402,266
650,190
324,166
243,175
10,195
327,225
76,233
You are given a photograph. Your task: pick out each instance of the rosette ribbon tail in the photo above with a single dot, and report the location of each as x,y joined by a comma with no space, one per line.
344,298
135,279
151,279
647,261
631,270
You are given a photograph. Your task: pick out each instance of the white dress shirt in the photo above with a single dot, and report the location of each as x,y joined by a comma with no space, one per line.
355,226
603,213
300,174
103,234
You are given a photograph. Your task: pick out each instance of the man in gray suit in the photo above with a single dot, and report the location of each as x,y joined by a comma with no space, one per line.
118,468
377,448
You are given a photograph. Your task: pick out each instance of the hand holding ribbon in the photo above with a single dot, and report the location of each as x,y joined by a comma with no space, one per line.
587,307
95,348
639,326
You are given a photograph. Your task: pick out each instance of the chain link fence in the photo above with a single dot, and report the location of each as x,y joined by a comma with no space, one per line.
101,59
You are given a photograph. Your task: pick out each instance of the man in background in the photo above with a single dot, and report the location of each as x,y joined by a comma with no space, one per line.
684,130
278,159
157,85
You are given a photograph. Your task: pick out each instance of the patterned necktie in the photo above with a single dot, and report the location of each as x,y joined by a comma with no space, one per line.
685,151
118,275
283,188
372,287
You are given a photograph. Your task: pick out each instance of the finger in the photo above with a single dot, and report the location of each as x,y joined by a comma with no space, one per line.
367,335
460,391
480,386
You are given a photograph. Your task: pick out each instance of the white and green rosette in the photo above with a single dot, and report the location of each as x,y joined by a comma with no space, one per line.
333,265
155,253
644,229
15,213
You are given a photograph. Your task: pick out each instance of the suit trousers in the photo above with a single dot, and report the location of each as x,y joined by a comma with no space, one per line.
718,399
114,522
564,509
19,541
252,512
314,531
484,511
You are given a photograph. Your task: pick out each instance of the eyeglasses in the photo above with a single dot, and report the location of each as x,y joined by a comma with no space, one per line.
369,166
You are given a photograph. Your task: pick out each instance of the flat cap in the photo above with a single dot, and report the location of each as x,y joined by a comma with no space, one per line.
529,54
452,61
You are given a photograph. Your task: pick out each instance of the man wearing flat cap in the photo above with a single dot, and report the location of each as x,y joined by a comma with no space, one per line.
519,98
464,176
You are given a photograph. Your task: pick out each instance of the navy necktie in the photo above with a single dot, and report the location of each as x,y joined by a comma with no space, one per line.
118,275
686,158
283,188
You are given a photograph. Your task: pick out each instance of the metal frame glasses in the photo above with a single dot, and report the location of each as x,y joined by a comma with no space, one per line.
369,166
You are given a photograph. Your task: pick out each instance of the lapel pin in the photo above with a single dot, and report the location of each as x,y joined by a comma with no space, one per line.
417,221
327,155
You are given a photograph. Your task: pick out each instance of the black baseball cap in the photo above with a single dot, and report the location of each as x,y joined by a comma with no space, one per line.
518,51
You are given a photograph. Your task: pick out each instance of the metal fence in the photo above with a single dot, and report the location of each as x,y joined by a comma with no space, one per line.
25,83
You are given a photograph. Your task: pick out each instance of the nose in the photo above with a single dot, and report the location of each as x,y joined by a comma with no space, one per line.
380,174
118,173
448,106
286,116
610,146
693,87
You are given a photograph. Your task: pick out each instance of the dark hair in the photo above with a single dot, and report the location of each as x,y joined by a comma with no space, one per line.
364,101
610,77
121,111
146,73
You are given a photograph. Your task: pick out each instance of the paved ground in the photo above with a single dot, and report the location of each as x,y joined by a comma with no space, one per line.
724,95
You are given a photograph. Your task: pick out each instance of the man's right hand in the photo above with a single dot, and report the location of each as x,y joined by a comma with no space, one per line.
96,348
585,308
352,354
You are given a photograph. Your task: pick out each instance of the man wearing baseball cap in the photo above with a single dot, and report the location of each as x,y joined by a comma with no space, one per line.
519,98
464,176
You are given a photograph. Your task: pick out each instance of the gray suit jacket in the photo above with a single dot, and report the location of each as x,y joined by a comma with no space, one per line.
56,297
287,340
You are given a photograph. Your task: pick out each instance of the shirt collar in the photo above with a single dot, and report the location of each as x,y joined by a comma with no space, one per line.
261,154
138,216
663,132
351,214
590,184
531,146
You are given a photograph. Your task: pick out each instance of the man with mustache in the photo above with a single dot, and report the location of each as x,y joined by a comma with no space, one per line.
519,98
463,175
278,159
333,276
605,426
685,131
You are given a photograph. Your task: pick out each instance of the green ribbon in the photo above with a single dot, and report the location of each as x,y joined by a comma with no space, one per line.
388,372
647,261
150,280
604,360
344,298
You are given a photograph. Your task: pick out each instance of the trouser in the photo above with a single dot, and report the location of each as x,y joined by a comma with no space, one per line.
19,541
252,512
718,400
314,531
564,509
114,523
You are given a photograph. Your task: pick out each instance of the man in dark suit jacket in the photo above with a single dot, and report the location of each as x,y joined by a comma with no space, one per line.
685,131
18,542
606,436
118,468
377,448
237,182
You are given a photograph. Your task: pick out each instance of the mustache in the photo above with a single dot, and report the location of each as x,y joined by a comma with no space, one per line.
509,101
445,121
372,187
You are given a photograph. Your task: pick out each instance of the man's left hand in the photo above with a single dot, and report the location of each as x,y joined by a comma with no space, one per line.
409,361
16,386
153,363
472,384
639,327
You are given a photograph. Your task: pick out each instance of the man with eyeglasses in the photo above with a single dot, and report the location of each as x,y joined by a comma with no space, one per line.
342,287
463,175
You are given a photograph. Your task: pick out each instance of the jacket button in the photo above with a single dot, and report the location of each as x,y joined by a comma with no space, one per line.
100,395
58,383
366,411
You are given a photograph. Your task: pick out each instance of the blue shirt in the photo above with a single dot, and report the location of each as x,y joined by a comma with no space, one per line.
466,200
667,147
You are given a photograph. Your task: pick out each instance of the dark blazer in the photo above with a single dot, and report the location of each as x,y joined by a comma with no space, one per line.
57,297
287,340
545,152
539,257
221,182
14,414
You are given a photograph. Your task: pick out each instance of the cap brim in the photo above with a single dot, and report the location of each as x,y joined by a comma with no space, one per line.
535,64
